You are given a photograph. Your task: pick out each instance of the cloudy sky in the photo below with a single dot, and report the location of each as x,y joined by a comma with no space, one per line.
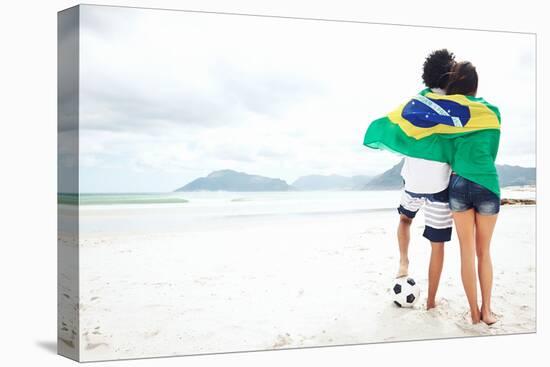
168,96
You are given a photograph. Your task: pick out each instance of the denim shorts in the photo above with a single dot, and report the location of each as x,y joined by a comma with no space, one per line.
465,194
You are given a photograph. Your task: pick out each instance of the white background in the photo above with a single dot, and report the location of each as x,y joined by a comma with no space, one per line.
28,151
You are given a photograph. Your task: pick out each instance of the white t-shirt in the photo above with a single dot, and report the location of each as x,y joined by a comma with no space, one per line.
423,176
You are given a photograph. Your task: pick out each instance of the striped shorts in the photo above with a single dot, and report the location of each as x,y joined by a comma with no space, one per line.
437,213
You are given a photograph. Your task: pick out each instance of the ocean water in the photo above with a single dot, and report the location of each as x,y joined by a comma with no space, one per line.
244,202
192,211
165,212
284,201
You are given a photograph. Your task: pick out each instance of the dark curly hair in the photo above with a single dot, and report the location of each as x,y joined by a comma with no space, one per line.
463,79
436,68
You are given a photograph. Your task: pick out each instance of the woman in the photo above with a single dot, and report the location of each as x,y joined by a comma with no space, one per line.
475,210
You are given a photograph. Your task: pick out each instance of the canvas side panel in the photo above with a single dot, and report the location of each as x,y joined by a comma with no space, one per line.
67,183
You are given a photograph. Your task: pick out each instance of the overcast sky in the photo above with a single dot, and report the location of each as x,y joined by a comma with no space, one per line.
169,96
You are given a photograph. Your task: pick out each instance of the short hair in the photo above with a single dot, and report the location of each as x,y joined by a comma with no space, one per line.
463,79
436,68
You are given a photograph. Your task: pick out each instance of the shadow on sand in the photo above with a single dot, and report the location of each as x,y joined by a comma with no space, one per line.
48,345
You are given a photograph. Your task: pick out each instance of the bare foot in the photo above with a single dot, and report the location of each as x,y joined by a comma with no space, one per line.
488,317
430,304
403,269
476,316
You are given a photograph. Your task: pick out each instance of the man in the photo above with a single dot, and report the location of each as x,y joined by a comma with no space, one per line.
426,186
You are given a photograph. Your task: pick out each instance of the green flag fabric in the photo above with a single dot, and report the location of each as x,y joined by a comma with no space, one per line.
459,130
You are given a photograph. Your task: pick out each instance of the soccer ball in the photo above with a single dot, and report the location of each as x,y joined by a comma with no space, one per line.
405,292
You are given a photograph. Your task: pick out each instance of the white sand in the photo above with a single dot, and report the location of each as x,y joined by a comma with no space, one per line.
282,281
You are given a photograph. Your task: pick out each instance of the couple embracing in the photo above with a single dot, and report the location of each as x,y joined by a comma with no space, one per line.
450,139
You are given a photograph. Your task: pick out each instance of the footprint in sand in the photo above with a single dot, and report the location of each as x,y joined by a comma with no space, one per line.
94,339
282,341
151,334
90,346
480,328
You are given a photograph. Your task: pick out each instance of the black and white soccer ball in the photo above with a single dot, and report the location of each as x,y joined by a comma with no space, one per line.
405,292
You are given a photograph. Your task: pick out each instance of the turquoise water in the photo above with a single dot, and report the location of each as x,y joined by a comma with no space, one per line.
292,200
281,201
121,199
213,211
209,211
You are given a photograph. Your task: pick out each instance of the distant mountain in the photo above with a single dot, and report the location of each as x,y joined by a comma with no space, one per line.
229,180
359,181
508,176
330,182
516,175
389,180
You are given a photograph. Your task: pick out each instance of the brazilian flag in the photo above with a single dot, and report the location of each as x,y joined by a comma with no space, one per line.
462,131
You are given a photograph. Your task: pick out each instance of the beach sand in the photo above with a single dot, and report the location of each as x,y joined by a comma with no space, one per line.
283,281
